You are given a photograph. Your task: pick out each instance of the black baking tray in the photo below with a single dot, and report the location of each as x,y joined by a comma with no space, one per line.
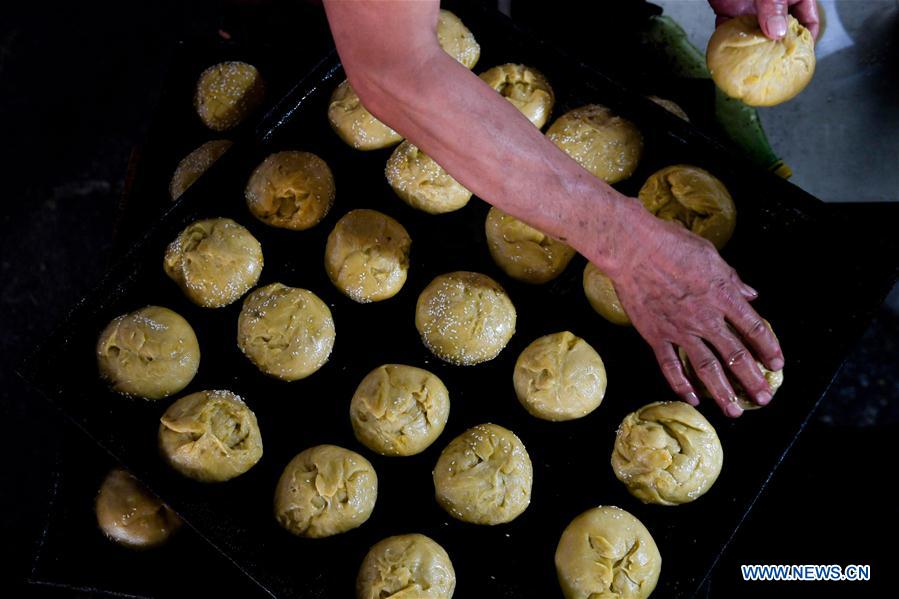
815,288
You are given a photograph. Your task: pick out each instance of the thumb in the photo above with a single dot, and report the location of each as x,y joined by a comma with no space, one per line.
772,16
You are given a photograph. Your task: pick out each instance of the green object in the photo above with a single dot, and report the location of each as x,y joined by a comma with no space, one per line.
670,39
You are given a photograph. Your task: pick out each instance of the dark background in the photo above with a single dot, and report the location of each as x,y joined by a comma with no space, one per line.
78,86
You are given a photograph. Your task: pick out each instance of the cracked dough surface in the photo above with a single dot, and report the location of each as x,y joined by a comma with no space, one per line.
422,183
210,436
559,377
130,515
748,66
465,317
367,255
214,261
288,333
354,124
605,144
693,198
325,490
227,93
406,566
457,40
291,190
606,553
603,298
150,353
523,252
484,476
667,453
399,410
195,164
526,88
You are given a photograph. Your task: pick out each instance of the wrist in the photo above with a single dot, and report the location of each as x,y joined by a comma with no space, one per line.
627,237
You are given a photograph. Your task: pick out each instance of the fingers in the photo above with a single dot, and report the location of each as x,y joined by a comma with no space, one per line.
743,365
674,373
772,16
807,13
755,331
745,290
709,370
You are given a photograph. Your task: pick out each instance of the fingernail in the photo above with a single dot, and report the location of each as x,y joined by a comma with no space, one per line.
763,398
777,363
692,399
777,26
751,291
733,410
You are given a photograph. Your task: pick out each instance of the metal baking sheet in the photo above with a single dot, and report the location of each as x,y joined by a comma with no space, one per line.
784,246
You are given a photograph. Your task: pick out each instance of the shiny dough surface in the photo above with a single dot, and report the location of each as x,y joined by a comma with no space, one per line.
195,164
130,515
422,183
291,190
526,88
355,125
227,93
523,252
409,566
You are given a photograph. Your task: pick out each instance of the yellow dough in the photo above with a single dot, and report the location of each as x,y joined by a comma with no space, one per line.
456,39
607,553
601,294
559,377
465,317
367,255
605,144
132,516
210,436
288,333
694,198
355,125
214,261
523,252
775,379
412,566
399,410
151,353
291,190
671,106
526,88
667,453
422,183
484,476
748,66
195,164
325,490
226,93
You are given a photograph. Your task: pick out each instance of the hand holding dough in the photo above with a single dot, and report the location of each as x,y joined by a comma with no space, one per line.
412,566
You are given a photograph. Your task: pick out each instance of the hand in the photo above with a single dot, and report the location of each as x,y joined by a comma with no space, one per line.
771,13
678,291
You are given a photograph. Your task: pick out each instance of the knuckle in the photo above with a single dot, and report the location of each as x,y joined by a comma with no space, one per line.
708,366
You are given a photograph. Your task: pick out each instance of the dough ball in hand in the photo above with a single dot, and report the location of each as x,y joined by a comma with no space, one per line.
523,252
559,377
355,125
457,40
367,255
607,552
760,71
667,453
484,476
422,183
601,294
411,566
214,261
325,490
399,410
465,318
195,164
291,190
227,93
210,436
526,88
130,515
150,353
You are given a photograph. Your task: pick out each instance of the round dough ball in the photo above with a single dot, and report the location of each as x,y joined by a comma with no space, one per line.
671,106
195,164
526,88
748,66
325,490
355,125
559,377
601,294
210,436
465,317
775,379
214,261
291,190
422,183
412,566
151,353
667,453
692,197
367,255
399,410
288,333
132,516
607,552
523,252
456,39
606,145
226,93
484,476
